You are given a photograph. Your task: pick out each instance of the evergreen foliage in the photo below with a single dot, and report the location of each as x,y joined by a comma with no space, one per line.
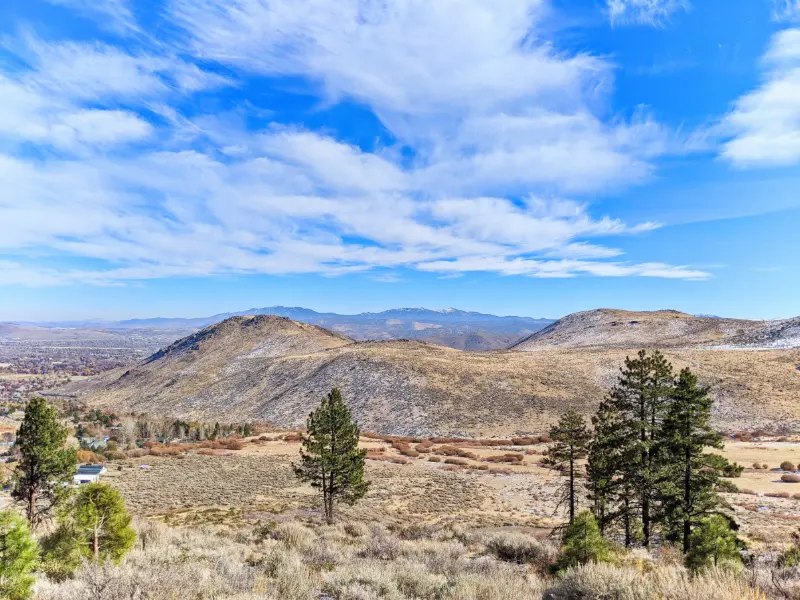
583,543
45,469
713,544
18,557
692,476
101,523
61,554
649,474
330,459
571,442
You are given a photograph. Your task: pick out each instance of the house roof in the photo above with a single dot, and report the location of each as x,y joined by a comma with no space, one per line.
90,469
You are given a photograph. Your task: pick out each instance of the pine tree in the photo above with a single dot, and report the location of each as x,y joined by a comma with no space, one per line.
602,467
45,469
571,441
18,557
583,543
640,399
101,523
330,459
692,476
713,543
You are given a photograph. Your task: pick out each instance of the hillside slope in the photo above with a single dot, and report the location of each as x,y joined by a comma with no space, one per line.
610,328
275,369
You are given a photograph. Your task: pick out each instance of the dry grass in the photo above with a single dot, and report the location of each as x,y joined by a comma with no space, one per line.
356,561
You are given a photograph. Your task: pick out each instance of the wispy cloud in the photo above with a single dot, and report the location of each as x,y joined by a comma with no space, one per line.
110,171
786,10
644,12
115,15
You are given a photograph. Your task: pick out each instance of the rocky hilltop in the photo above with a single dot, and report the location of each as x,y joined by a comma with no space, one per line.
611,328
276,369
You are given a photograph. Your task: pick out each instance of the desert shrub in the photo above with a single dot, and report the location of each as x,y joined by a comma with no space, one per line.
356,529
453,451
434,459
748,492
293,535
523,441
583,543
235,445
404,449
509,457
137,453
518,548
787,466
791,477
500,471
777,494
399,460
116,455
89,457
598,582
455,461
206,452
381,545
795,496
756,465
206,444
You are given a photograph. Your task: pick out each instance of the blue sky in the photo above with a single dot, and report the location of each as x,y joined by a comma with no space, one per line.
536,157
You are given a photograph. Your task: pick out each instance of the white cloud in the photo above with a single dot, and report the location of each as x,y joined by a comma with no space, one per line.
764,125
115,15
142,197
562,268
485,101
644,12
786,10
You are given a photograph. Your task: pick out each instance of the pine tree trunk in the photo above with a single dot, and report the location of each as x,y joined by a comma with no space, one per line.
627,521
645,474
96,545
571,490
687,498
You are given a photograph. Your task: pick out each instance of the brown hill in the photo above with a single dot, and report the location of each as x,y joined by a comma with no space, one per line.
275,369
610,328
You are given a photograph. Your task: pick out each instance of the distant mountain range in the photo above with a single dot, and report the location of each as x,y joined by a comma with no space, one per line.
465,330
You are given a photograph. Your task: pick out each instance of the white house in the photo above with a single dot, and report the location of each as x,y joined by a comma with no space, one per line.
88,474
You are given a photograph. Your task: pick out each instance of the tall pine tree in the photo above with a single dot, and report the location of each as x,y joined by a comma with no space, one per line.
603,467
45,469
639,400
331,460
691,475
571,441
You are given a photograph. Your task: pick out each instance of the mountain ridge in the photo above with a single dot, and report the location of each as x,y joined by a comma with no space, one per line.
276,369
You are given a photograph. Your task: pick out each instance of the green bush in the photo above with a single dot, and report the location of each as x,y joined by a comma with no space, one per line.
583,543
713,543
18,557
61,556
